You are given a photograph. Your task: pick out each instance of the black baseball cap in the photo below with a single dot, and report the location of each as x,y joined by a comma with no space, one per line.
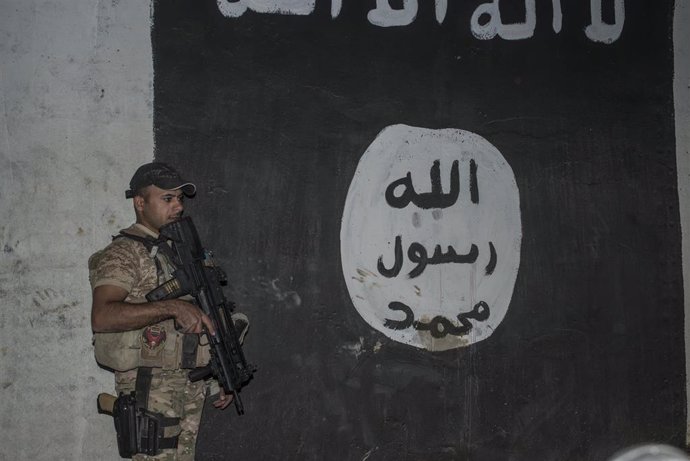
160,175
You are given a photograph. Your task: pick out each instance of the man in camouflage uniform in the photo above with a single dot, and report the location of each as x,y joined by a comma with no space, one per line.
121,275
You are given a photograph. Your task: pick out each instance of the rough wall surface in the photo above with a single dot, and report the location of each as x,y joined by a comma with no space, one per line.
75,118
681,89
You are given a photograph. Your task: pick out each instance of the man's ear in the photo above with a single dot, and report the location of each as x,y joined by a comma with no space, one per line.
138,202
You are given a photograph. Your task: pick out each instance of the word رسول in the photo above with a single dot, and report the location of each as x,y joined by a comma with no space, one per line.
418,255
485,22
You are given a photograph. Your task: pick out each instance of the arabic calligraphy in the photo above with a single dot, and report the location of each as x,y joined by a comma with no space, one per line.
431,237
439,326
405,13
495,25
598,30
417,254
436,198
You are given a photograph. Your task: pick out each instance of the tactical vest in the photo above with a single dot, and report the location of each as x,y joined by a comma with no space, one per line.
159,345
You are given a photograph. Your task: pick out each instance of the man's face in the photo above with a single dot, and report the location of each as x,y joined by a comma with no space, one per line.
156,207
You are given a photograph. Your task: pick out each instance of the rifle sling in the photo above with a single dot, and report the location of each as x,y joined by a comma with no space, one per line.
142,387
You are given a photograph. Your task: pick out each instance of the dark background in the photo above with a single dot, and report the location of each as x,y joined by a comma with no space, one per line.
269,115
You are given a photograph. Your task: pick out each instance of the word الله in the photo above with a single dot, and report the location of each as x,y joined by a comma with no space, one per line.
485,22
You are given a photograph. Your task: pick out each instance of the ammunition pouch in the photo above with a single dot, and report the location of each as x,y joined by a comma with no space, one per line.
139,430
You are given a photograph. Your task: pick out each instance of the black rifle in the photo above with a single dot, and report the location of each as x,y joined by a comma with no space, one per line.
198,276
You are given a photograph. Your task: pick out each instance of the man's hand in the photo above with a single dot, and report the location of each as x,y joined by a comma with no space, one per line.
189,317
223,400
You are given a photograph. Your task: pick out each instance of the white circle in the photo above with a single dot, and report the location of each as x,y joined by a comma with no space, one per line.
431,266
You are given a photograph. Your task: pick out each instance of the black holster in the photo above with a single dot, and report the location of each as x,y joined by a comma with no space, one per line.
139,430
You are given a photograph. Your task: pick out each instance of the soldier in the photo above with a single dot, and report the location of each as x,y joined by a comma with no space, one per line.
148,345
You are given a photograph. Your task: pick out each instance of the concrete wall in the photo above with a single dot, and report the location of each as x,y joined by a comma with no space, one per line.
681,89
76,113
75,119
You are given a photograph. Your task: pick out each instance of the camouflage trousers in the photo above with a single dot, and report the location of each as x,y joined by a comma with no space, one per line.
173,395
